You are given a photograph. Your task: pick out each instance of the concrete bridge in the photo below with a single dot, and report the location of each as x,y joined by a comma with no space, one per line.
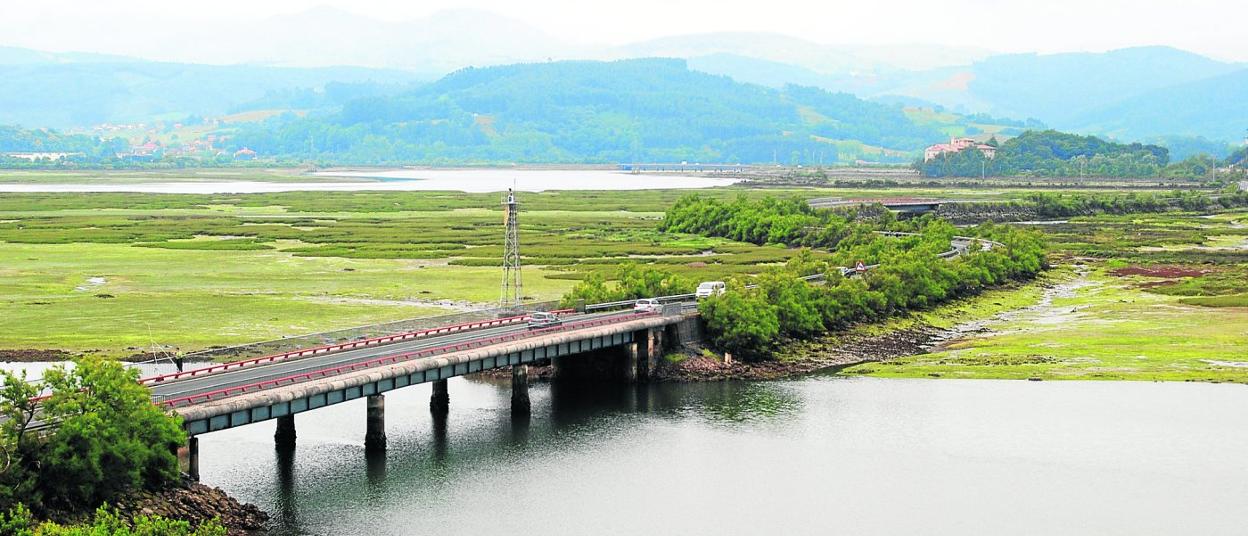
614,345
907,205
681,167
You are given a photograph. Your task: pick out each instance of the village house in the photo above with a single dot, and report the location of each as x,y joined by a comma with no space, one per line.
957,145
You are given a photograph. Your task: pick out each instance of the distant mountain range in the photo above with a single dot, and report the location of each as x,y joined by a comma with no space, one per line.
1131,94
1144,93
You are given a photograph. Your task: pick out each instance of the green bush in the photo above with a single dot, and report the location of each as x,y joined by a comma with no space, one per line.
109,437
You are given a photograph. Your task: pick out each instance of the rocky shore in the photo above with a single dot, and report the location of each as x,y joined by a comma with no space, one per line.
804,357
196,503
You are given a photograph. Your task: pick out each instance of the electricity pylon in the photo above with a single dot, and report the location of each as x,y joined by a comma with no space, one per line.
512,290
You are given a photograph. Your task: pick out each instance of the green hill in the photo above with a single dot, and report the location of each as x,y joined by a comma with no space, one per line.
587,111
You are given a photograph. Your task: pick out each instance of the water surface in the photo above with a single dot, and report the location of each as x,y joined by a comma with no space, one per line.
462,180
820,455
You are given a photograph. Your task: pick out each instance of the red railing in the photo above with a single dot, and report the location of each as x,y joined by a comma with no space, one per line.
342,346
350,367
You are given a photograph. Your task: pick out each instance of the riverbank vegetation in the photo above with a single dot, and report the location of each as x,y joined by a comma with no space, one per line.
909,271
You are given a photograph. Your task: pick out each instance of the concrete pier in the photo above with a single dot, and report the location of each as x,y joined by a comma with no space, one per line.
632,361
440,402
284,437
188,458
375,434
520,390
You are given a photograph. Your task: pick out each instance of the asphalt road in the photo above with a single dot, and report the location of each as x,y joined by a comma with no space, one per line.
193,385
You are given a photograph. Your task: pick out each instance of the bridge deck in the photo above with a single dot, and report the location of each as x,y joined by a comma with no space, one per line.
236,398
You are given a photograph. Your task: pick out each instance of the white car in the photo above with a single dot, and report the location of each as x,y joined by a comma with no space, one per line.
707,289
541,320
647,305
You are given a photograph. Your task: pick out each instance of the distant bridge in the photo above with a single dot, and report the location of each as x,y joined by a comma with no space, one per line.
682,167
911,205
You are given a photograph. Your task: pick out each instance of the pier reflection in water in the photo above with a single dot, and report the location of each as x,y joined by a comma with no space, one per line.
750,457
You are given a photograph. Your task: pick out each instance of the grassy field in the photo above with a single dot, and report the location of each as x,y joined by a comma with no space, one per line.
117,273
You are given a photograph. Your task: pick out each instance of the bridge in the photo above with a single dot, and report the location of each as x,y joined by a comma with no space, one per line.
601,345
682,167
908,205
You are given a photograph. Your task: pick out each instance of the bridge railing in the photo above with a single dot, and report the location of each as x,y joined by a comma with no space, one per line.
629,303
441,330
391,359
359,333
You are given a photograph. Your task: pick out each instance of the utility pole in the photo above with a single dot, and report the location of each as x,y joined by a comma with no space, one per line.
512,289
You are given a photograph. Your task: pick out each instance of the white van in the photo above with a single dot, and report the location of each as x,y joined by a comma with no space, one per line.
707,289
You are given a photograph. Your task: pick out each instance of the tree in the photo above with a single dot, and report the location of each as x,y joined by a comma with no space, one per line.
109,438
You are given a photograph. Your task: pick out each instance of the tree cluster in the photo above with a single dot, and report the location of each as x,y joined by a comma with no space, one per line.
910,276
775,221
1050,153
631,282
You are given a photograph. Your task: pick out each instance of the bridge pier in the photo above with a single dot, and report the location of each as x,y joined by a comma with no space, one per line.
375,434
284,437
632,361
440,402
520,390
188,458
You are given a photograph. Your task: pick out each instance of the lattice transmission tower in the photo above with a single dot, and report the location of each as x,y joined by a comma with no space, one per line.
513,289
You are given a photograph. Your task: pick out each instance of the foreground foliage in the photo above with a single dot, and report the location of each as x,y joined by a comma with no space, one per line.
109,438
20,522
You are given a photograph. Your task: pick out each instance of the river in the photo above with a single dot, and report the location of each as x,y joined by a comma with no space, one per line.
818,455
461,180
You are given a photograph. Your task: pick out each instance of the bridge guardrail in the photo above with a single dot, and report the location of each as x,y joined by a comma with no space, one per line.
629,303
406,356
339,347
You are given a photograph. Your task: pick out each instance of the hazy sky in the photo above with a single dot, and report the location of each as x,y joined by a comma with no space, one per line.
1203,26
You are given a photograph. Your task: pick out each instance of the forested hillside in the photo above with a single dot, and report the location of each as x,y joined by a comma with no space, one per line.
584,111
18,140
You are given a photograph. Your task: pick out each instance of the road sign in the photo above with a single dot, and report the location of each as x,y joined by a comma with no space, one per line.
860,267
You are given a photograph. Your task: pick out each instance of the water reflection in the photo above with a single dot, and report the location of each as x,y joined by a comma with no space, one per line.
375,468
737,402
285,504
